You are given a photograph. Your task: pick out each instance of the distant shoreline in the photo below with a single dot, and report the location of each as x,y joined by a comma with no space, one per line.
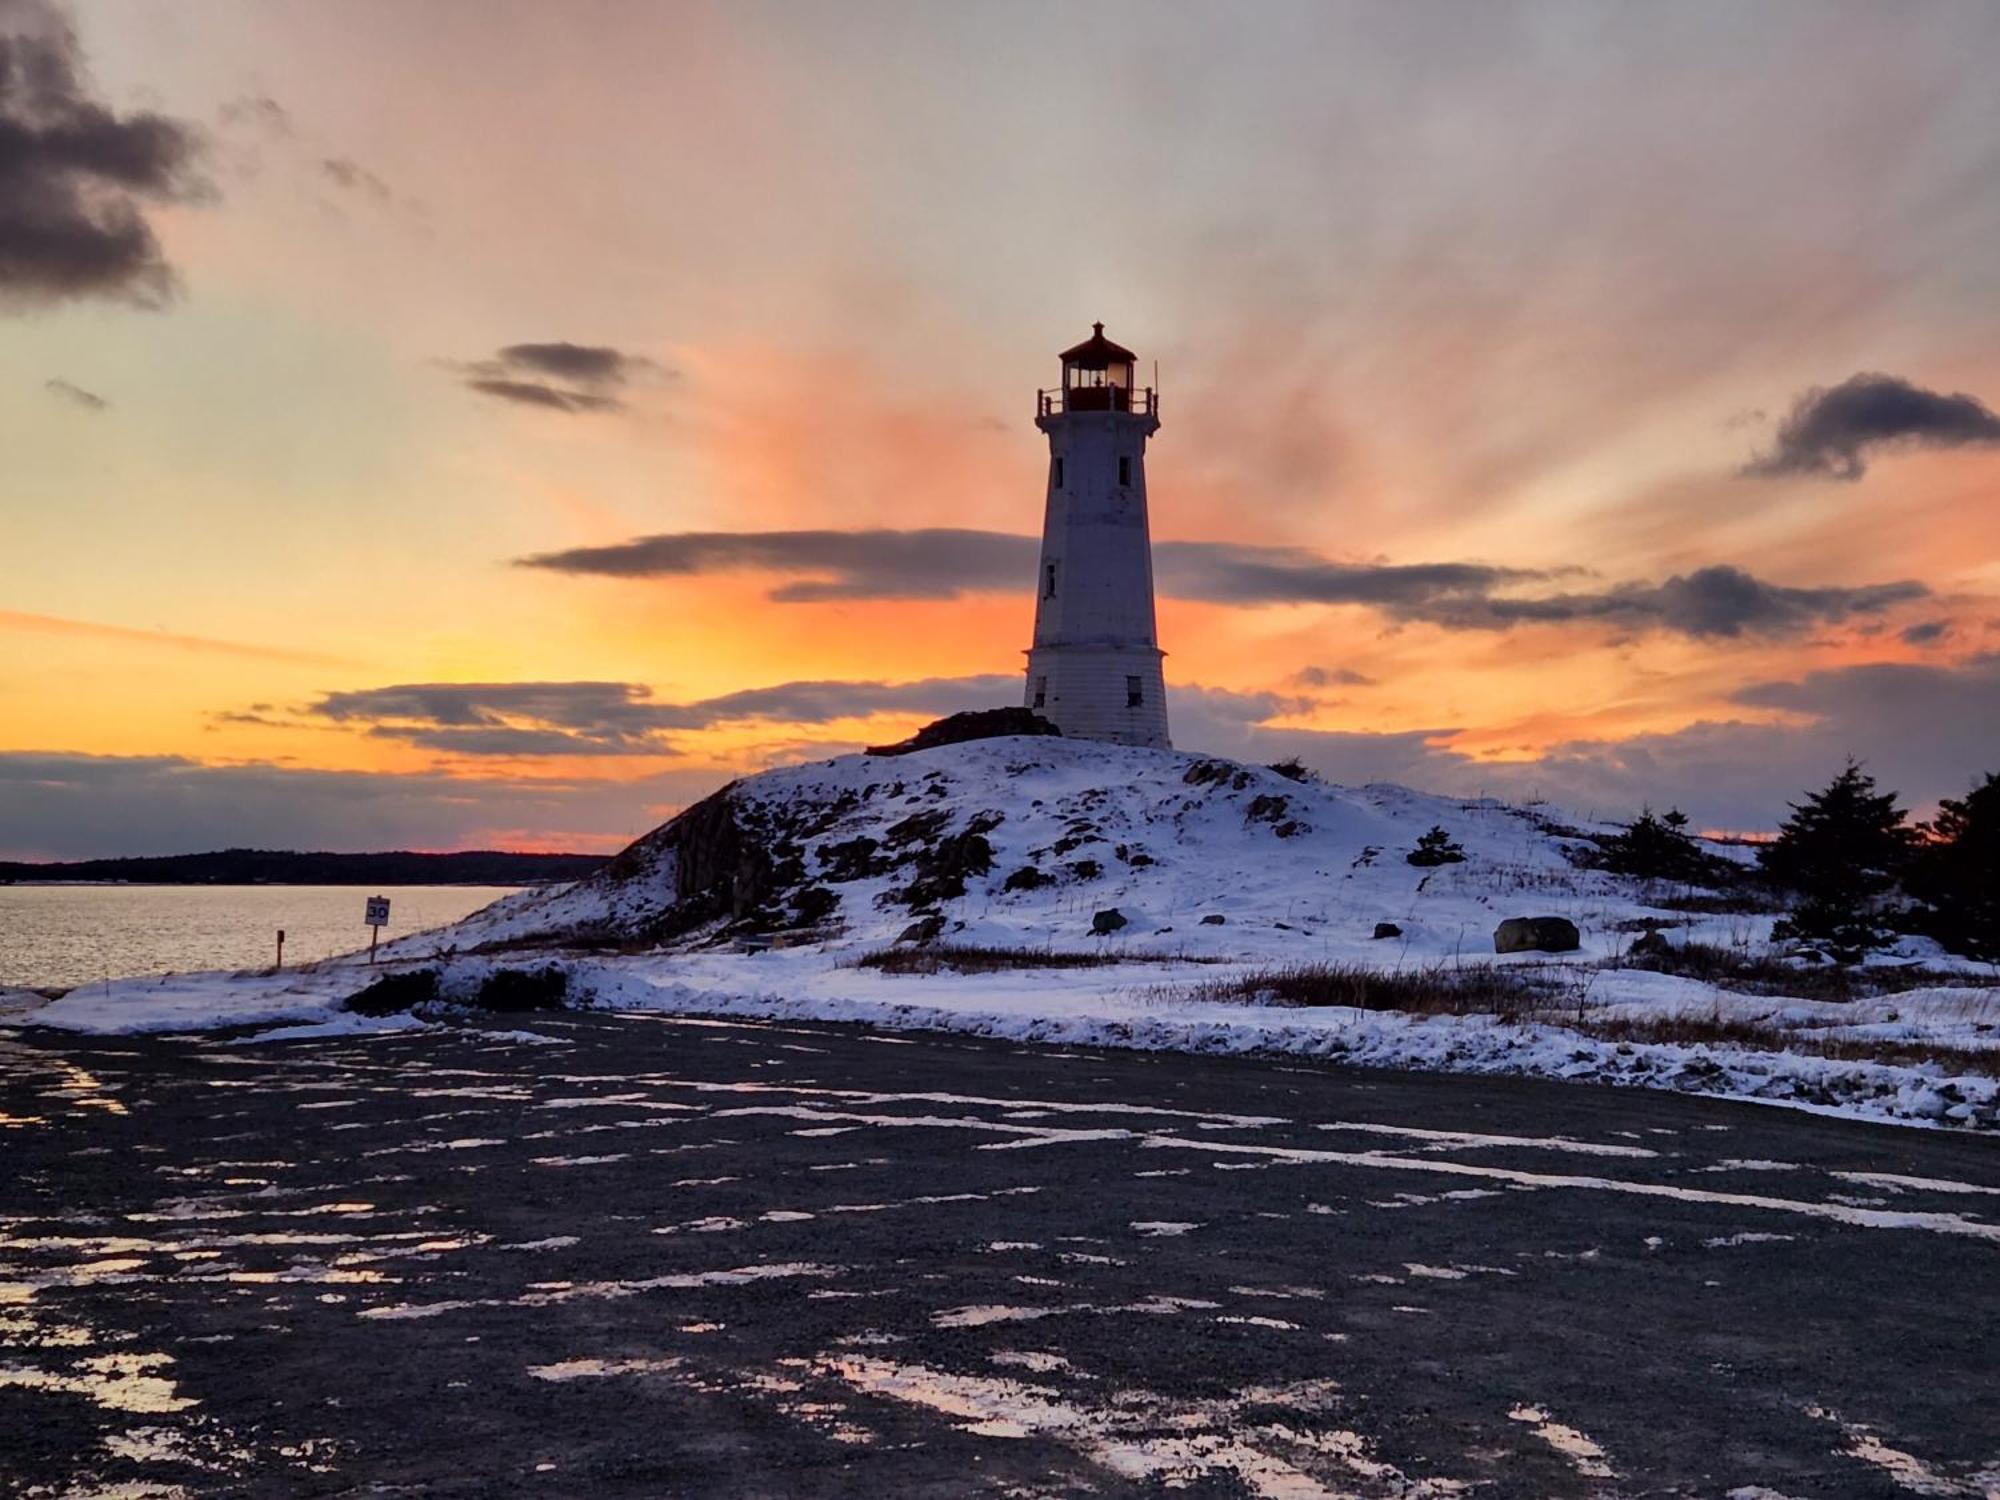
240,867
226,885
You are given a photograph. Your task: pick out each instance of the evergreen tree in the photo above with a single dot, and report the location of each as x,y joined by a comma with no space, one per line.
1956,873
1656,848
1841,851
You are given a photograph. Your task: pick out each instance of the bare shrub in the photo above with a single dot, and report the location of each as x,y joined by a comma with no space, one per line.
393,993
1438,990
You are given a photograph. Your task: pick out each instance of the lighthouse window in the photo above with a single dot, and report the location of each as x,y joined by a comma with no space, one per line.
1124,471
1059,474
1135,694
1041,692
1049,581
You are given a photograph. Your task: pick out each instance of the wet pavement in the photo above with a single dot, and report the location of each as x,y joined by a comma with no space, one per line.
634,1255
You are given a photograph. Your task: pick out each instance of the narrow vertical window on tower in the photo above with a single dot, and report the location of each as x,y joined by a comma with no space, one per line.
1135,692
1041,692
1049,581
1059,474
1124,471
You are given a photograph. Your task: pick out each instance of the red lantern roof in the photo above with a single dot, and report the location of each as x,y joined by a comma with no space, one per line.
1097,352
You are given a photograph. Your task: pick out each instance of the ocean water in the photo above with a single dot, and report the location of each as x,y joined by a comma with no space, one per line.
66,935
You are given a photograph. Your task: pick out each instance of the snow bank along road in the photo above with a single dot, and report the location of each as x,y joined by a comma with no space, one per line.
639,1255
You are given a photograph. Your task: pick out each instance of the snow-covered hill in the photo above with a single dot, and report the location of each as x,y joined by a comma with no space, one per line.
1184,882
1024,841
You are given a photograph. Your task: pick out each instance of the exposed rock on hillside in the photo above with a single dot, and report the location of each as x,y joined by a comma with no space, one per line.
1536,935
973,724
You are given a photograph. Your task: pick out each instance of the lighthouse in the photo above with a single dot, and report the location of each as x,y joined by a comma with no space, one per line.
1094,668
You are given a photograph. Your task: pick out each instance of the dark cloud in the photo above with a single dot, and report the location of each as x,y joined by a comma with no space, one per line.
1830,430
509,740
1709,602
622,718
258,715
944,563
75,395
1320,677
352,177
509,718
533,393
587,364
74,175
1898,695
821,702
1926,632
589,375
1224,573
932,563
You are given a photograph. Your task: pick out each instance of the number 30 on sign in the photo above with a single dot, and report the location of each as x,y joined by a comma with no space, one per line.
378,911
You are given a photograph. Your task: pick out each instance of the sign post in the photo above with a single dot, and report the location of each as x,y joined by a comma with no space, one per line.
281,947
378,918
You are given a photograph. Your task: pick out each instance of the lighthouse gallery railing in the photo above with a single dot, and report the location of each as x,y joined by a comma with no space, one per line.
1144,402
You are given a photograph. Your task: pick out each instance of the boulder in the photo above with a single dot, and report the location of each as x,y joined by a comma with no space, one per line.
1387,930
814,904
1652,943
923,930
1214,919
1536,935
1107,921
975,724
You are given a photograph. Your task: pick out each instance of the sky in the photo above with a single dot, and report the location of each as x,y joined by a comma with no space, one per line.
474,424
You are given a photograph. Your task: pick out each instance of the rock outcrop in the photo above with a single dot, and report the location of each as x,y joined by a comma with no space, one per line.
1536,935
973,724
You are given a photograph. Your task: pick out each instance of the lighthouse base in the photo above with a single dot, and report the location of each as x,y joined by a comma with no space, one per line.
1114,693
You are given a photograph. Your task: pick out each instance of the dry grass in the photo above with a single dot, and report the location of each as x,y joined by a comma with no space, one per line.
1681,1029
966,958
1515,877
1745,895
1472,989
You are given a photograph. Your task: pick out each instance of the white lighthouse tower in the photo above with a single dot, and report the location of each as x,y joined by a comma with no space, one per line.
1094,669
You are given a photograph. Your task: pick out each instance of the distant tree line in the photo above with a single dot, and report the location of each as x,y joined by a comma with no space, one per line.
1853,871
287,867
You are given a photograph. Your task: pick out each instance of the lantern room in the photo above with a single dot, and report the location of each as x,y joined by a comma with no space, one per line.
1097,376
